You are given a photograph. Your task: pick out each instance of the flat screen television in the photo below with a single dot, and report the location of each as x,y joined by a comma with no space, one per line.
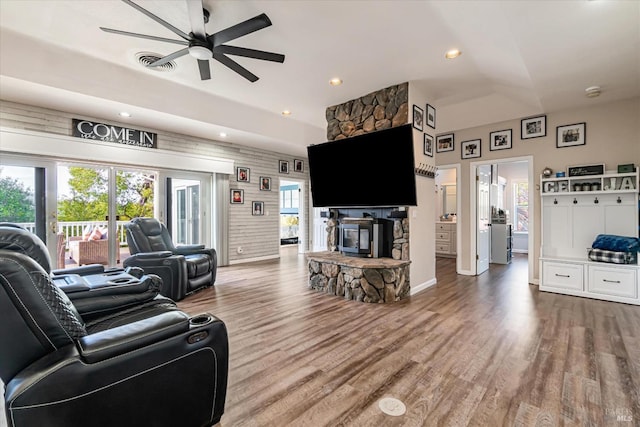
371,170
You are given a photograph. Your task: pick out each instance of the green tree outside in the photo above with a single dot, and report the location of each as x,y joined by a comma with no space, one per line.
89,195
16,202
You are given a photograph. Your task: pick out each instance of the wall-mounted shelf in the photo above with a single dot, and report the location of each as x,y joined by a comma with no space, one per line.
608,183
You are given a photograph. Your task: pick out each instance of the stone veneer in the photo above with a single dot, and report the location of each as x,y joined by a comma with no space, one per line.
378,110
374,280
400,249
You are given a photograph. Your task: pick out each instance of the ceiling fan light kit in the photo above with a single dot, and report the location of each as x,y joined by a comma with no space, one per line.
203,46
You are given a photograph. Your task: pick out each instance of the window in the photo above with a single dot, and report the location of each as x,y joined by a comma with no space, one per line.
521,206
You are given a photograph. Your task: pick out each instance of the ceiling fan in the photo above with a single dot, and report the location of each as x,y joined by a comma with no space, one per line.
203,46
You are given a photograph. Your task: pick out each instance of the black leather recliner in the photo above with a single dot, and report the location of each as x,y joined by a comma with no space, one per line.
133,364
183,269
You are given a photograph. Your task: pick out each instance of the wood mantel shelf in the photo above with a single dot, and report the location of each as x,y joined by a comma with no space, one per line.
375,280
357,262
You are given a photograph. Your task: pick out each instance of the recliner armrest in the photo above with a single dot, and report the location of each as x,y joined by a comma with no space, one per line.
132,336
151,255
81,271
182,248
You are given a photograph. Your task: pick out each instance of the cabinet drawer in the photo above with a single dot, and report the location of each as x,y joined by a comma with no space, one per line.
612,281
443,235
442,227
560,275
442,248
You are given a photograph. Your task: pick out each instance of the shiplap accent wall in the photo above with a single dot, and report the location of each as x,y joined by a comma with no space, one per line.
259,236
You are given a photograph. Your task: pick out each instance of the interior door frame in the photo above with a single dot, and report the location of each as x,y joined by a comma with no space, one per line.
302,212
473,203
459,212
50,216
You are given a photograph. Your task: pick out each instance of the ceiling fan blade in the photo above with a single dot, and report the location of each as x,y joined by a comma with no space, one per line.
243,28
205,71
196,18
171,57
223,59
144,36
249,53
157,19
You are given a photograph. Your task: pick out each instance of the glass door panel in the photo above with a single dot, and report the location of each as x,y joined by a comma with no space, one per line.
17,192
186,214
135,197
83,205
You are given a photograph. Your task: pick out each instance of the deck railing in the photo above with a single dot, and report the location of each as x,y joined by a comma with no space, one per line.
76,228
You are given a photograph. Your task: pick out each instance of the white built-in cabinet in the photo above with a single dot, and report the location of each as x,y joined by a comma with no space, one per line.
446,239
574,211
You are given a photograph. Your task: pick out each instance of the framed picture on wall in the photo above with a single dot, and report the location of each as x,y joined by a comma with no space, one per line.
444,143
283,166
428,145
237,196
570,135
500,140
257,208
242,174
533,127
418,117
298,165
265,183
431,116
471,148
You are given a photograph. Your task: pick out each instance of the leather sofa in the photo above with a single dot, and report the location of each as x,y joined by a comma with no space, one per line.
127,357
183,269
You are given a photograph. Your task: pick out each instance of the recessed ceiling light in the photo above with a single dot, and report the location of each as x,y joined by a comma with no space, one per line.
286,113
453,53
223,134
592,91
124,114
335,81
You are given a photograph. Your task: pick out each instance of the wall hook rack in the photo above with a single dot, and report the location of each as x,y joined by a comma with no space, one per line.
426,170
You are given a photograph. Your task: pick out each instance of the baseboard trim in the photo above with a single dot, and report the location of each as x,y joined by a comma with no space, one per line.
262,258
422,286
466,273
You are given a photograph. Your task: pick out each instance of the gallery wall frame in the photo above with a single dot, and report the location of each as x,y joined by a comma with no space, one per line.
418,118
265,183
242,174
500,140
533,127
428,145
257,208
445,143
283,166
431,116
571,135
471,149
236,196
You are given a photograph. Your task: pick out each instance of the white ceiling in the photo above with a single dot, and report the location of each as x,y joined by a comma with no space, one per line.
520,58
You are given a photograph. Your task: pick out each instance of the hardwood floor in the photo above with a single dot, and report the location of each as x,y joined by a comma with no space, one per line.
480,351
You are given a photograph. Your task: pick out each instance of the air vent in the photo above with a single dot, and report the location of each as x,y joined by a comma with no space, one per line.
146,58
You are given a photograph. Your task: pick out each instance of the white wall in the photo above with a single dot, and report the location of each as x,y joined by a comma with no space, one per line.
422,217
612,137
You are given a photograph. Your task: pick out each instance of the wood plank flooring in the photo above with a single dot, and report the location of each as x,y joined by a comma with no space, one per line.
480,351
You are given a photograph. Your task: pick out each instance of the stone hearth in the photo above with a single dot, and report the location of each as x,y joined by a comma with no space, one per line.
375,280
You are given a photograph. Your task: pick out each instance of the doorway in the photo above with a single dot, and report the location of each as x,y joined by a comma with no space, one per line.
292,214
511,209
449,214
